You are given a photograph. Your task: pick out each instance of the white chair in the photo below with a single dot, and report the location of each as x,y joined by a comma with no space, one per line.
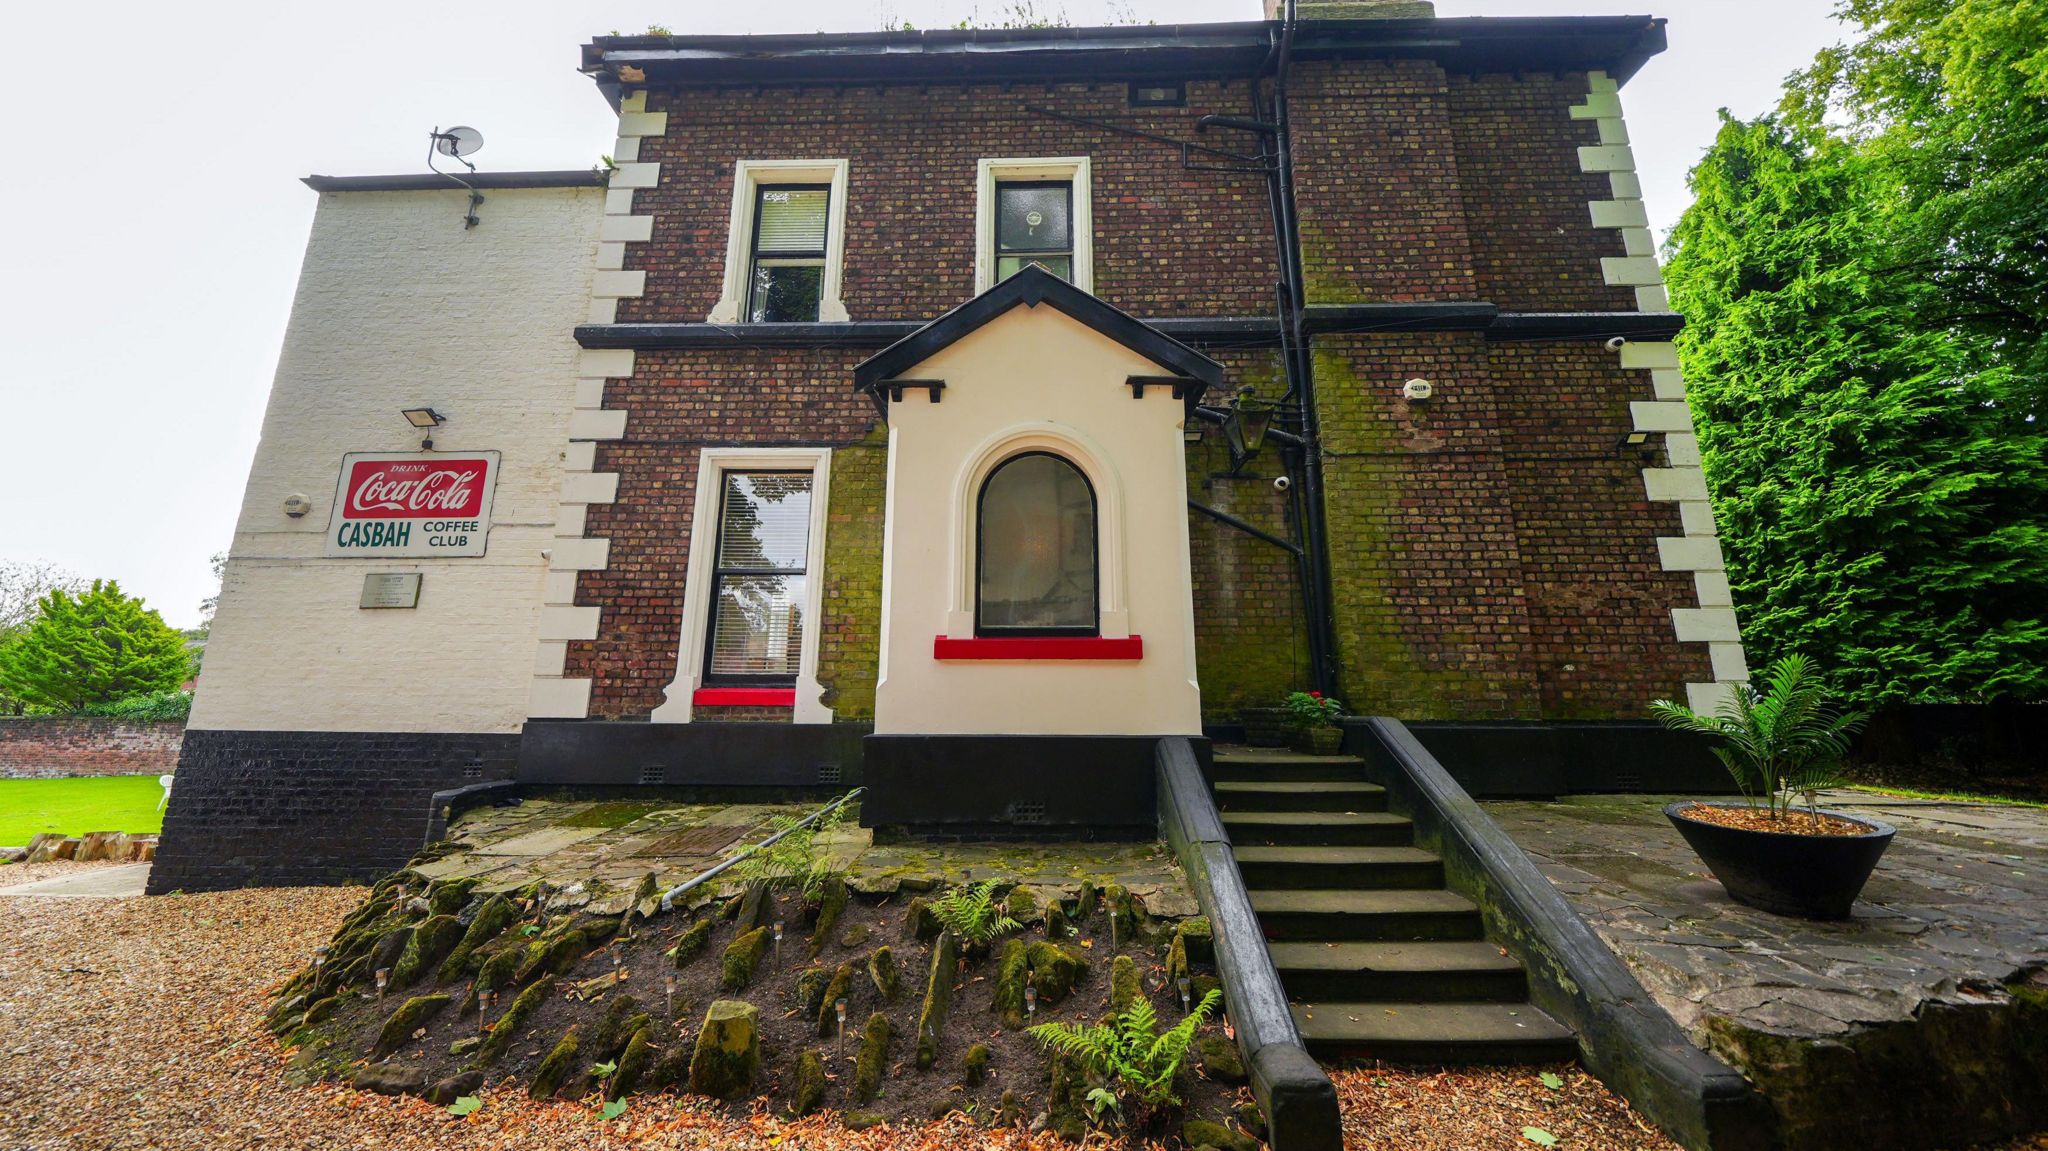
166,800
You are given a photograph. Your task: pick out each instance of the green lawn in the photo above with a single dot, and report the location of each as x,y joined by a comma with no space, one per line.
76,806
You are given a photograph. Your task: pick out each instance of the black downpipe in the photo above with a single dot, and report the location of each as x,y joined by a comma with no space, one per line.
1307,494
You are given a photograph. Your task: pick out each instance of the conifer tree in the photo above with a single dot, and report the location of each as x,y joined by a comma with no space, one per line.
93,647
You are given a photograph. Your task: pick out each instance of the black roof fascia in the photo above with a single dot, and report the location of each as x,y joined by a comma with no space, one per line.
1322,319
434,182
1029,288
1617,44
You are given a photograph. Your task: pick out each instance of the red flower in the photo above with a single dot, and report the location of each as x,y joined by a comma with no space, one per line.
1315,695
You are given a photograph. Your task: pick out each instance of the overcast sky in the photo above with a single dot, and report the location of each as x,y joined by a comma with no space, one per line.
151,218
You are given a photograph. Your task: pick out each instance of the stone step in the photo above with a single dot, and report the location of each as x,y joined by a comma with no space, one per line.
1318,828
1348,867
1275,764
1379,916
1300,795
1472,971
1433,1032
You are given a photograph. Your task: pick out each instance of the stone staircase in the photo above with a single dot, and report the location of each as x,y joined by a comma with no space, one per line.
1380,959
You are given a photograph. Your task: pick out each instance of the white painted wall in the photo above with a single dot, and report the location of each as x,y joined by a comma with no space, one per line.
1027,381
398,306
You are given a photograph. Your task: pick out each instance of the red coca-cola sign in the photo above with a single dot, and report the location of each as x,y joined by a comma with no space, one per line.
414,488
412,504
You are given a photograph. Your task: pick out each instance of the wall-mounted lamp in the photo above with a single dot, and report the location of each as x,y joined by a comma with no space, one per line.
426,419
297,505
1245,426
1417,390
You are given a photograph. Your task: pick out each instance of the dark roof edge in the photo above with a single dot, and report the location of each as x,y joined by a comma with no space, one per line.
1029,288
434,182
1619,44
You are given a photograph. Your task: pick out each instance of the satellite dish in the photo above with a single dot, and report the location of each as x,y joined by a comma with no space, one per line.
458,141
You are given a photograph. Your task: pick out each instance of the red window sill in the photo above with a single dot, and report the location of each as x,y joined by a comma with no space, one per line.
743,697
1039,647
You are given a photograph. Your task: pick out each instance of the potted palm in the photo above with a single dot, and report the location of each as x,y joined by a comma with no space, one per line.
1779,744
1314,718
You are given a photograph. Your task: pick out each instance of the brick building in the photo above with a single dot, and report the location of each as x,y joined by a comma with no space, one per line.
798,462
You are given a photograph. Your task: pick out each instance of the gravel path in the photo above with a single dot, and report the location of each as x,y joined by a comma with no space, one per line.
137,1024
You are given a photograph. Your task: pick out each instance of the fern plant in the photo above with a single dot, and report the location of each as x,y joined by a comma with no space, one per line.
973,914
1129,1053
794,861
1784,740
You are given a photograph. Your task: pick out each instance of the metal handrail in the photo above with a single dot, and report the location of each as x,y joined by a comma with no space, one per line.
669,897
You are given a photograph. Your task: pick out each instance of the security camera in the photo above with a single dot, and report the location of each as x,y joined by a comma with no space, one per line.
1282,483
1614,345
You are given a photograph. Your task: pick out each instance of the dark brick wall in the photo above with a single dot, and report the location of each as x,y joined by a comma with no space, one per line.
1495,558
43,747
1376,184
288,808
1168,242
1533,244
1599,603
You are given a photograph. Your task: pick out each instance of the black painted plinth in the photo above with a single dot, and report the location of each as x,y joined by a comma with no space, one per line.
287,808
708,754
1019,786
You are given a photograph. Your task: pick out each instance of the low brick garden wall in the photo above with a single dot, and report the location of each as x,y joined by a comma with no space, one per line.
45,747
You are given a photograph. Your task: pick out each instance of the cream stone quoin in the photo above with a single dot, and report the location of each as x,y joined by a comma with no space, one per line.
1036,380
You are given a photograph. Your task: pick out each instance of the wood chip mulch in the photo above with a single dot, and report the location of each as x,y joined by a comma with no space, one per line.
137,1024
1794,821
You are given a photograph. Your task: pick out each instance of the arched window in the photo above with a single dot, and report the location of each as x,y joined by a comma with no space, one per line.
1035,552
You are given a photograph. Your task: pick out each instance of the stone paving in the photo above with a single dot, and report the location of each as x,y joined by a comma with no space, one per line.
597,853
1957,907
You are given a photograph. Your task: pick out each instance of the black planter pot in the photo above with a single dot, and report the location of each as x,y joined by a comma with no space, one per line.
1808,876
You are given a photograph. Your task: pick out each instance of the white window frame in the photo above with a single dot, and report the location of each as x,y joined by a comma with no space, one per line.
1072,169
747,178
712,464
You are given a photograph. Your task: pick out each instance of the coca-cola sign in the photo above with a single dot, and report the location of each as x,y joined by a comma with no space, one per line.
412,504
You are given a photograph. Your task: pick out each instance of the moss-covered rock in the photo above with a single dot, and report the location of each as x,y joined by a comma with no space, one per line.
1056,925
513,1021
431,942
810,990
1055,970
974,1069
690,944
1197,939
727,1057
885,975
447,1090
920,922
855,936
622,1017
1022,905
1123,910
872,1059
742,956
1086,903
552,954
807,1094
861,1120
1250,1119
938,1000
756,903
1009,1111
1201,985
633,1063
410,1016
1124,988
646,897
1012,972
385,954
1066,1099
390,1079
1204,1133
561,1059
832,906
496,973
491,920
840,987
318,1011
1219,1060
448,896
672,1069
1176,960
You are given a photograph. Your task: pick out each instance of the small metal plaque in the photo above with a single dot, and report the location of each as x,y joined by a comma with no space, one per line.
391,589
